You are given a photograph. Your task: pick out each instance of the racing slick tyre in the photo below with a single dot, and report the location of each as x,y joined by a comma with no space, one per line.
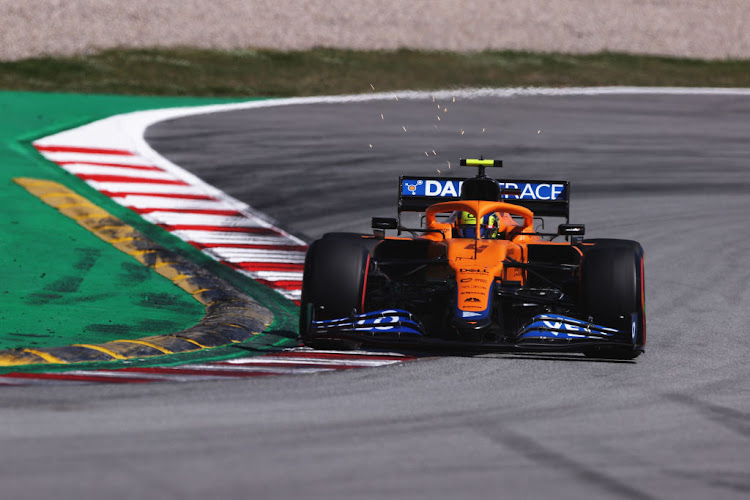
333,286
612,289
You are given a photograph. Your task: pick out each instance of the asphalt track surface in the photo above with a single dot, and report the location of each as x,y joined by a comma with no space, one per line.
670,171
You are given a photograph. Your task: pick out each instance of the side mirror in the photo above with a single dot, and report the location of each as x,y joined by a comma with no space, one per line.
384,223
575,231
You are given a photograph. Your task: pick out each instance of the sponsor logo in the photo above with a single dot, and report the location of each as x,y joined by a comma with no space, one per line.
452,189
467,280
381,322
443,189
559,325
469,270
531,191
412,189
472,299
469,314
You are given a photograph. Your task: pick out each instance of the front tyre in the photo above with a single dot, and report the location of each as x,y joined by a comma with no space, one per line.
612,285
333,286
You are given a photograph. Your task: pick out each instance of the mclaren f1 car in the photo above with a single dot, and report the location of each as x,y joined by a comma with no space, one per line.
476,271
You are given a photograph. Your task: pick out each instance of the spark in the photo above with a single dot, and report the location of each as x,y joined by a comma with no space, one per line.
438,106
483,130
449,164
370,146
434,153
445,110
433,98
396,98
382,116
372,86
426,154
439,172
438,118
538,131
463,132
403,127
435,125
454,98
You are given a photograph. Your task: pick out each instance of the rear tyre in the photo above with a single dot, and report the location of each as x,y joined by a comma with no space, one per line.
333,286
613,294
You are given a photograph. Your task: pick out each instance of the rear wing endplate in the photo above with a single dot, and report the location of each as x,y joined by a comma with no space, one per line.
544,198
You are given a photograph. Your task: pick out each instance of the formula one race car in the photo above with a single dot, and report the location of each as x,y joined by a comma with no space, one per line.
476,274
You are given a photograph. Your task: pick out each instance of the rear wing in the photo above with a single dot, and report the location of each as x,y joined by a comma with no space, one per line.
544,198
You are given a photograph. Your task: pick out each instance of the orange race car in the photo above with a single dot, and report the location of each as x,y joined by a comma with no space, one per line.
475,273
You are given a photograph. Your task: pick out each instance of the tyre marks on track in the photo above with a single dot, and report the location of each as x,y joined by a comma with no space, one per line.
187,209
299,361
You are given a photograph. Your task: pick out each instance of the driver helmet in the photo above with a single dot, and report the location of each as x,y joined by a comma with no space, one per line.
467,225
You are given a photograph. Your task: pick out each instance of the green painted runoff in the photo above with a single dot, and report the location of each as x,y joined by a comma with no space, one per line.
61,284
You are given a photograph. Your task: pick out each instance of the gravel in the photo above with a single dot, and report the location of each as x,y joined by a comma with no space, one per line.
707,29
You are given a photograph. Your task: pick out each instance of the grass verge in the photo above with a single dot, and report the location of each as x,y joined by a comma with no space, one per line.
246,73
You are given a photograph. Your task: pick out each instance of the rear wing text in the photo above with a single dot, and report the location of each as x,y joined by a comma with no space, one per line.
544,198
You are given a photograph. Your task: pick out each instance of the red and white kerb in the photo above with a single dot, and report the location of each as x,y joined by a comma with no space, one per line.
212,222
300,361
